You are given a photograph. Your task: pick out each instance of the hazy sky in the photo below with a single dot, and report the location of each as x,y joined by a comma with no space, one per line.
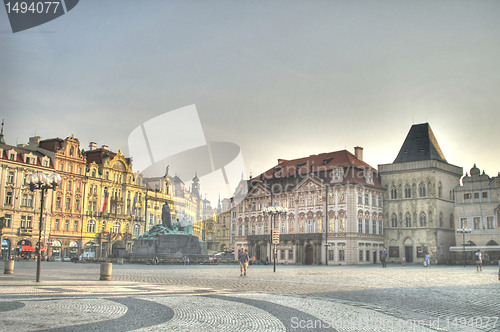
282,79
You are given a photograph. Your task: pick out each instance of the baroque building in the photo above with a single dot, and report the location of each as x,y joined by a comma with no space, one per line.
477,209
20,207
419,201
335,211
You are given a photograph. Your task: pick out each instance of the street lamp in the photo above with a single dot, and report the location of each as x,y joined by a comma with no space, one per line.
274,211
463,231
43,183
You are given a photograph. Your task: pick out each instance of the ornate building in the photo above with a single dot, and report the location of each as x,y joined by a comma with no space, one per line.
334,203
19,206
477,208
67,203
419,215
112,205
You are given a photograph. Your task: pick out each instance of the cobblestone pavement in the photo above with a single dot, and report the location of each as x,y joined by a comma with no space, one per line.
70,297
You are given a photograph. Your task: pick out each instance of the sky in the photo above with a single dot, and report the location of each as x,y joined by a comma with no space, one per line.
281,79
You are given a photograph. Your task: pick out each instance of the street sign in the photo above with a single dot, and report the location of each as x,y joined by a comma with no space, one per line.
276,236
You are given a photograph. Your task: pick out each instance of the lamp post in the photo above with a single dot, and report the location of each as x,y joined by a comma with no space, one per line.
42,182
273,211
463,231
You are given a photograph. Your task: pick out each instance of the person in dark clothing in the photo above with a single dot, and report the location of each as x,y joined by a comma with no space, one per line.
243,258
384,258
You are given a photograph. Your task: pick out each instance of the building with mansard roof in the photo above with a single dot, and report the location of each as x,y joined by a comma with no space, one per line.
477,209
334,203
419,211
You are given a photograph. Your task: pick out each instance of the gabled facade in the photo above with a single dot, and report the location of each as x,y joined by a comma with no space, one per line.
477,208
334,203
418,209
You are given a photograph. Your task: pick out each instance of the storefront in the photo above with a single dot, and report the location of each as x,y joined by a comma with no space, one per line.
73,249
89,250
6,247
56,249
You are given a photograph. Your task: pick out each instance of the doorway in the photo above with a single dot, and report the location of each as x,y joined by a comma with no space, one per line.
409,254
309,255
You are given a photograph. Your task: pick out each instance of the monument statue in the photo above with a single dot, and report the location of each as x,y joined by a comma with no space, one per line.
166,219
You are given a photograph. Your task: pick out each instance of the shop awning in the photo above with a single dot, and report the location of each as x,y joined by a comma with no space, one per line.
27,248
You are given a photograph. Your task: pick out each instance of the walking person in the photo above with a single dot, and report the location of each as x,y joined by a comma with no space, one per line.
479,260
384,258
404,260
243,258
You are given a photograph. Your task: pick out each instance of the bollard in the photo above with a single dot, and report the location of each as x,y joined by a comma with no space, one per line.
120,261
8,267
106,269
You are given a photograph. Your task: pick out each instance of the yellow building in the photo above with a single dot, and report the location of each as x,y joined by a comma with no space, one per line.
113,207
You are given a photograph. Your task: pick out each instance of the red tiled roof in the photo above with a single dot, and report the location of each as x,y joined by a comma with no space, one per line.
97,155
52,144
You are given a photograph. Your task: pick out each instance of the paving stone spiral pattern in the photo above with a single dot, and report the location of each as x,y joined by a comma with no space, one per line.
215,298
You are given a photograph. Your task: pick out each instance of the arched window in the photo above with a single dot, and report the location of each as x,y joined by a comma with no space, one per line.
441,219
394,220
116,227
421,190
310,226
91,226
423,219
407,191
137,230
408,219
394,192
72,151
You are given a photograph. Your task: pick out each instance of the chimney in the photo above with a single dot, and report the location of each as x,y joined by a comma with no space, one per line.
92,146
34,141
358,152
105,147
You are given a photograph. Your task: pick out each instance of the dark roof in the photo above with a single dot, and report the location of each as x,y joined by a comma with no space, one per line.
420,144
53,144
97,155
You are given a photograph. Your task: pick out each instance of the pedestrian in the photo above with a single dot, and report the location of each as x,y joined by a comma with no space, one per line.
243,258
479,260
427,260
404,260
384,258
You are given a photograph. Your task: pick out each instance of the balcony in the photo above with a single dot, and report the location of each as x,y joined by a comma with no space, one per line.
26,231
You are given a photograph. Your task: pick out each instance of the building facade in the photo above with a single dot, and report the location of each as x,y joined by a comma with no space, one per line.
335,211
419,201
477,210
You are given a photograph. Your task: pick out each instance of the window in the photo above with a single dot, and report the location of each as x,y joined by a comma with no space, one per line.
423,219
45,163
440,190
10,177
75,225
360,197
331,198
104,226
421,190
310,226
367,199
116,227
282,254
66,225
477,222
463,223
23,221
30,200
77,204
68,203
361,255
342,197
137,230
246,229
380,227
380,200
24,200
368,255
58,202
467,196
476,195
56,224
374,200
68,188
394,220
408,219
240,230
93,173
485,194
407,191
254,206
490,222
341,255
8,198
290,255
91,226
374,224
71,168
331,255
394,193
61,167
8,218
367,226
360,225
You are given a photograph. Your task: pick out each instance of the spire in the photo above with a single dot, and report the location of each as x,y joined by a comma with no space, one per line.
2,140
420,144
